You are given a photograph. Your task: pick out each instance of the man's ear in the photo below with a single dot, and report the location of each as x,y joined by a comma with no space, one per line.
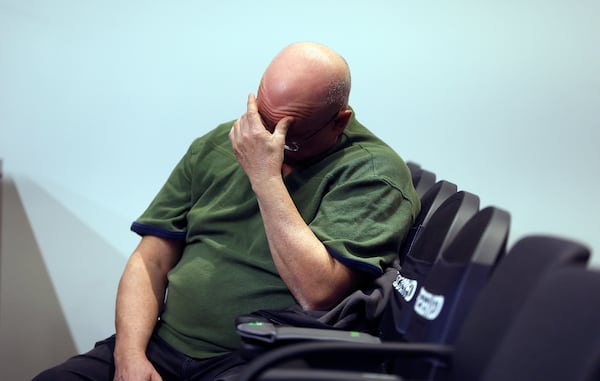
342,121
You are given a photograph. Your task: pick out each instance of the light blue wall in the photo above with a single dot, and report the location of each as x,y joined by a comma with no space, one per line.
99,99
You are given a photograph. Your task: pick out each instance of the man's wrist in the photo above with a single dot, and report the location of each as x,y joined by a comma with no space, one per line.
125,348
267,185
123,356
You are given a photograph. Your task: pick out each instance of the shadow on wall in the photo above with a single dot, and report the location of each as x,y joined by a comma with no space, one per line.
57,282
33,329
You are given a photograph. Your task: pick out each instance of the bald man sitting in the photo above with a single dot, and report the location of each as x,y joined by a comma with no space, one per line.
295,202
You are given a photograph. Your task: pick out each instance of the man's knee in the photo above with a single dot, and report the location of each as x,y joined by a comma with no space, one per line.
77,370
95,365
57,374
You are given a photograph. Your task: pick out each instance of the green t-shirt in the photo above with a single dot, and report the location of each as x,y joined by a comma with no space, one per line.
357,198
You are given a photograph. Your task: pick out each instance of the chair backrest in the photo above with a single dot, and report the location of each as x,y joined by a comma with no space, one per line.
422,179
430,241
433,199
425,181
505,294
557,334
430,202
444,225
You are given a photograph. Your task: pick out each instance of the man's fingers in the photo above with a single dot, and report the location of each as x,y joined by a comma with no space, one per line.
252,119
251,105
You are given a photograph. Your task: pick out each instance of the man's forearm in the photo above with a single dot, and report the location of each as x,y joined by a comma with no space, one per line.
141,294
316,279
137,309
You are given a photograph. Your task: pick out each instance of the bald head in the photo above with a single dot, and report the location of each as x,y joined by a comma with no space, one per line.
303,79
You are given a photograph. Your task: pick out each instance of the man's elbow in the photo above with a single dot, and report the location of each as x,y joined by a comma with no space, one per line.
324,298
332,290
318,305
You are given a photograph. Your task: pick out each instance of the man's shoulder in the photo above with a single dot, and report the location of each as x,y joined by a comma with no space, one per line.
217,138
366,156
368,145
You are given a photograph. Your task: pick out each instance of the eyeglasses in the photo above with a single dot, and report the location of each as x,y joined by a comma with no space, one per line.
294,146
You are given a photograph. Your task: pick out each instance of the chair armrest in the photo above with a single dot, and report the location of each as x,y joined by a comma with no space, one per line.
324,375
273,334
343,352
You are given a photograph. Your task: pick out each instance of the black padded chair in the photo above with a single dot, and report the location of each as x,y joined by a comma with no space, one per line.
449,290
508,290
425,248
557,334
454,279
507,308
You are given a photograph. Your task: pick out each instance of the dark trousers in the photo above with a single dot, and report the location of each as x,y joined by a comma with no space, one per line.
98,364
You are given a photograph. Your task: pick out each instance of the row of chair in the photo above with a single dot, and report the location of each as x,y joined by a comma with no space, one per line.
460,307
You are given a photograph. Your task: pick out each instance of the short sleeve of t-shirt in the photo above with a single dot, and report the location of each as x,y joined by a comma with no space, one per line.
355,219
166,216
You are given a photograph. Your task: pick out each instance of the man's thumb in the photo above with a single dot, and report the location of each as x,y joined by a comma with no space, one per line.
282,127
